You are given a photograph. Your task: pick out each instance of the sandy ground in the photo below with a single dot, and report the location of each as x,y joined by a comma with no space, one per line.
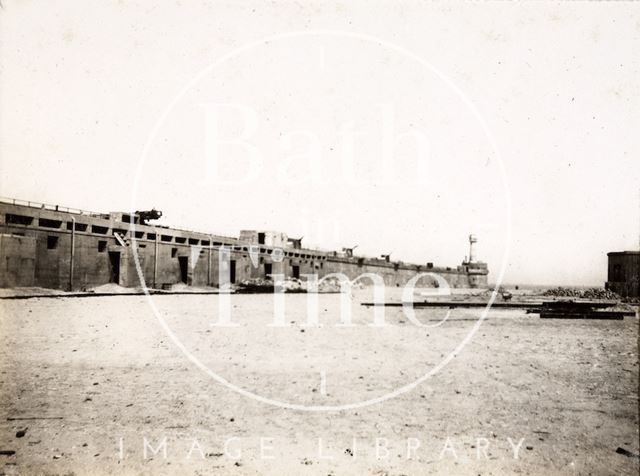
105,289
95,378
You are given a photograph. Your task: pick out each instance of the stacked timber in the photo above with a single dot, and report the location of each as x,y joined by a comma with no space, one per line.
572,309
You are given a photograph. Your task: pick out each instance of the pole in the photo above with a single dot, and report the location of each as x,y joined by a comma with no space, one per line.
73,246
209,268
155,262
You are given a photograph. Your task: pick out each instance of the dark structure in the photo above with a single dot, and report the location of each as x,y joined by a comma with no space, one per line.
624,273
54,247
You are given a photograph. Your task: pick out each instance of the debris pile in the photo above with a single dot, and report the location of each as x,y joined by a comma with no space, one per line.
290,285
255,285
265,285
588,293
330,284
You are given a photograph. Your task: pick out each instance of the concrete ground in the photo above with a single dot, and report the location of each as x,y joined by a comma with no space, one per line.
98,386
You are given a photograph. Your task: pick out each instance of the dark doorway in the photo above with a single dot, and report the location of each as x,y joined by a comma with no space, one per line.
232,271
114,267
296,271
184,266
261,238
268,269
617,273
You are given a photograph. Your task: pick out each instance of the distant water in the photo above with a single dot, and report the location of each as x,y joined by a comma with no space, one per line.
544,287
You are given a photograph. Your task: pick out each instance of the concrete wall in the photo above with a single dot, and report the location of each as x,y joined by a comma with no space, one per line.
42,255
17,261
395,274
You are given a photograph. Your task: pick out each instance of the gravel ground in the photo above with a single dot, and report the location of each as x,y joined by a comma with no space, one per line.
88,380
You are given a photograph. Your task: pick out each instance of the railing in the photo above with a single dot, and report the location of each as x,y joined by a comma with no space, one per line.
77,211
47,206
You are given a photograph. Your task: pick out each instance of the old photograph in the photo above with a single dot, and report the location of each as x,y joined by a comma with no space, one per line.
319,237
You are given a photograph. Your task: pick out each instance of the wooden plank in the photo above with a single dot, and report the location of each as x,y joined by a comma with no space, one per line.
453,304
609,315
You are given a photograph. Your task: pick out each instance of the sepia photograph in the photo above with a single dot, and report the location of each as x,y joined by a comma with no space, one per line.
317,237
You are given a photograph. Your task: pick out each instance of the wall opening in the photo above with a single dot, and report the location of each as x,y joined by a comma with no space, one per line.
617,273
101,230
183,261
79,226
166,238
52,242
268,270
114,267
261,238
174,252
102,246
12,219
180,239
49,223
296,271
232,271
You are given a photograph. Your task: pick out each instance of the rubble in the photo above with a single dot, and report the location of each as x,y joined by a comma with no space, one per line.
290,285
264,285
588,293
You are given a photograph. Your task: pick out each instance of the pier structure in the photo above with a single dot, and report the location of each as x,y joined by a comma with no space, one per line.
62,248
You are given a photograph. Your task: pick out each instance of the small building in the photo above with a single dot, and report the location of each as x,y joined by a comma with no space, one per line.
624,273
268,238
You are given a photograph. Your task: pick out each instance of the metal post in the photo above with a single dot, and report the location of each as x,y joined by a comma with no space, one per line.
155,262
209,268
73,246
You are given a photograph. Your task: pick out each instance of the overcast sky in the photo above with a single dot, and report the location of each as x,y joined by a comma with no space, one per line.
428,87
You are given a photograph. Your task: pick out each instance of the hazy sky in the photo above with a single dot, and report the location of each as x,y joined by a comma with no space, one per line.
410,85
